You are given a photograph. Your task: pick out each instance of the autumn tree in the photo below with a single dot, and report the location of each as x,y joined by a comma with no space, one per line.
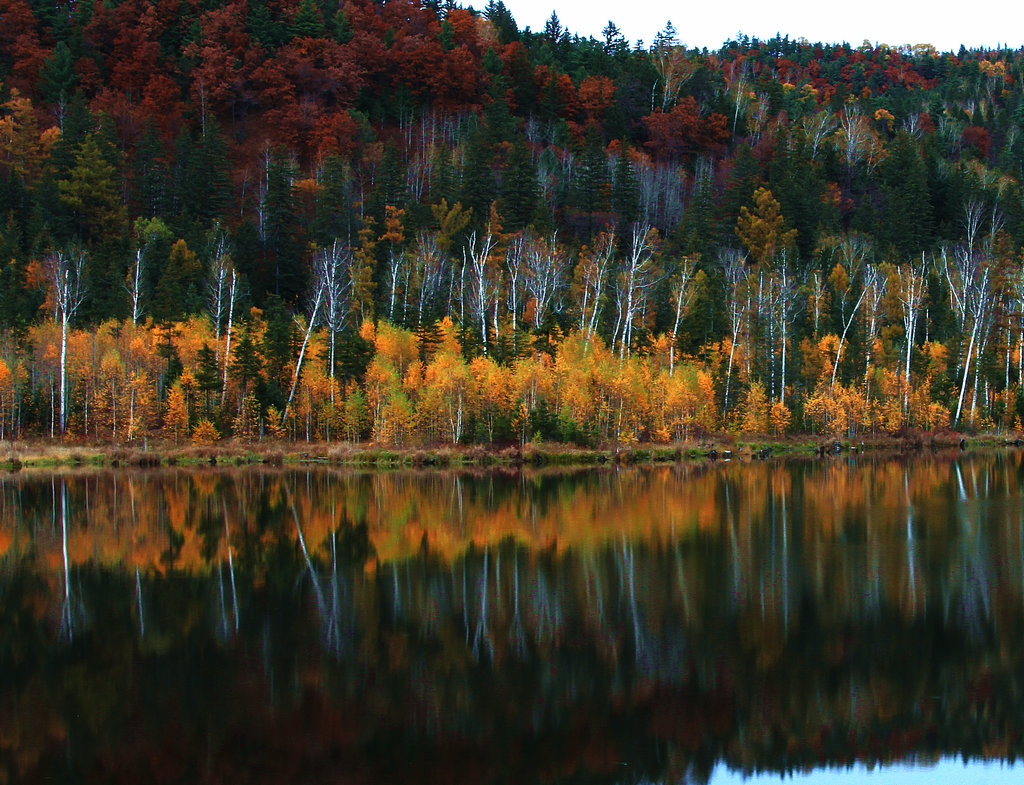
763,229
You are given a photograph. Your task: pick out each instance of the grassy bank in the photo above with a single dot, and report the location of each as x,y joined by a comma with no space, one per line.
45,453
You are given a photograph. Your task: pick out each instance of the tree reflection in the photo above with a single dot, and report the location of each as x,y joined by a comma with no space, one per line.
637,625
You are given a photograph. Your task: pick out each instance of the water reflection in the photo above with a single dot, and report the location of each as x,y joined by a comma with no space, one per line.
619,625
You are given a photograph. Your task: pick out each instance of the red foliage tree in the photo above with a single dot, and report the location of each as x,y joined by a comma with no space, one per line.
682,131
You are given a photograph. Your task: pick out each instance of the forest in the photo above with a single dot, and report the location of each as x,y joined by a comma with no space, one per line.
419,224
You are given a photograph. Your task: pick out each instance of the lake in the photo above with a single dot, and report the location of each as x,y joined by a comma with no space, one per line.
853,619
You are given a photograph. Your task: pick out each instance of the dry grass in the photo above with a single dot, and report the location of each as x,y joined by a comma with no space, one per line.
45,453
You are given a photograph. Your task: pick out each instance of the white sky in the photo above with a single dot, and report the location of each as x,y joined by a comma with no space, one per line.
942,23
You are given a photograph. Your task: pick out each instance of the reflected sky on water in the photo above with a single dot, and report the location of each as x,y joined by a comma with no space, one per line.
951,772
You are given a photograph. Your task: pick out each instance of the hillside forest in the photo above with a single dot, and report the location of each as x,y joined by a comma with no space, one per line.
420,224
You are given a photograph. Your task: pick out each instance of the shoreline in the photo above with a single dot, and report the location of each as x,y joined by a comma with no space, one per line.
44,453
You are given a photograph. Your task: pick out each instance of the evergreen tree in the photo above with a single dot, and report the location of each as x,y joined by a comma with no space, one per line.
478,184
499,16
207,375
739,191
202,188
625,189
907,226
262,26
278,343
282,248
152,185
91,191
799,187
57,76
245,366
307,22
520,190
180,286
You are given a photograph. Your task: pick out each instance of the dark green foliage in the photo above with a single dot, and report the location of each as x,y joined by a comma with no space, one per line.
501,18
908,212
589,193
352,354
519,192
180,287
279,238
478,183
307,22
277,345
207,375
202,178
245,364
57,75
625,189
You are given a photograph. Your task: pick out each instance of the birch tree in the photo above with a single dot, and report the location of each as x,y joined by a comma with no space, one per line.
545,264
66,268
734,265
428,263
592,279
476,256
222,286
875,286
910,292
818,127
316,299
147,232
516,272
636,278
332,272
1017,308
784,307
683,293
852,253
969,279
673,65
397,268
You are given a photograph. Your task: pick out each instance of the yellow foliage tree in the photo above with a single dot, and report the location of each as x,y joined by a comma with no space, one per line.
176,416
205,433
763,230
756,410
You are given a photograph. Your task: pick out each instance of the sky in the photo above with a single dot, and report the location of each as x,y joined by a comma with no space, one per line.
944,24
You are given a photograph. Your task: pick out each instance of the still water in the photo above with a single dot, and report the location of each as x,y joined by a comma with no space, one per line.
853,620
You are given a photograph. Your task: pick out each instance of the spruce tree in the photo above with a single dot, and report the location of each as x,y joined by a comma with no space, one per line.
625,189
520,190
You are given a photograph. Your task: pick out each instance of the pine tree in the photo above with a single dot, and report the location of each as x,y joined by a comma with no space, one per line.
282,247
57,75
499,15
625,189
177,289
207,375
151,176
591,183
307,22
278,343
520,190
478,185
246,365
907,226
92,192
